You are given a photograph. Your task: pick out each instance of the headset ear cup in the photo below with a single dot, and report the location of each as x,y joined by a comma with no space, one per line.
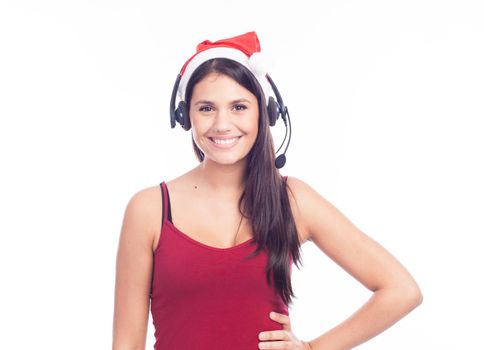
182,115
273,111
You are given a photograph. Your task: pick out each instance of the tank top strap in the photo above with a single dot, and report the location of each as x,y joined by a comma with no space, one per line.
165,197
285,178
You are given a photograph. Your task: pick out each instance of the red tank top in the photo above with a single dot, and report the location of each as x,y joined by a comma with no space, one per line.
209,298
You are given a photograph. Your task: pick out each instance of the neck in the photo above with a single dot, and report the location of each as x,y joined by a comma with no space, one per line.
220,179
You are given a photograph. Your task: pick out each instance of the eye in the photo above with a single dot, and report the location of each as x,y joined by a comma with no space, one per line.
240,107
206,108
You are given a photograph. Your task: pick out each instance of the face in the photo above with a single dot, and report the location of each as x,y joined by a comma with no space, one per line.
224,117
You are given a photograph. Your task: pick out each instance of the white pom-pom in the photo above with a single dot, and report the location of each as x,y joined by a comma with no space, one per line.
259,63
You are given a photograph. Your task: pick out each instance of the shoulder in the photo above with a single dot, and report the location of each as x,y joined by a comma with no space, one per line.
143,212
312,208
299,188
299,192
145,200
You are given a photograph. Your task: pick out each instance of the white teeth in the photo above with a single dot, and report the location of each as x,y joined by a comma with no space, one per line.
224,142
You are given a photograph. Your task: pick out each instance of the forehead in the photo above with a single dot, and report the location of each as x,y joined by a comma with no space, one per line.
218,86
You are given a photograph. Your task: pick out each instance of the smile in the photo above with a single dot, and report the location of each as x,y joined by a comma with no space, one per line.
225,143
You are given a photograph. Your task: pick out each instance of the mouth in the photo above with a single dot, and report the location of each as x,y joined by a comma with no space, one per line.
225,143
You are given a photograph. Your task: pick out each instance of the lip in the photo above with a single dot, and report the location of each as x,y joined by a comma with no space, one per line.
226,146
224,137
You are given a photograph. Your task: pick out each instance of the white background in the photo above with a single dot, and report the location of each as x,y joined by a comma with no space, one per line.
386,103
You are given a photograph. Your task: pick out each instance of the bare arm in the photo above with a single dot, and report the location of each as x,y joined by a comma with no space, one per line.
395,291
133,275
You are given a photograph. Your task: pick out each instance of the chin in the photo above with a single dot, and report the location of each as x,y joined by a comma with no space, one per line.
227,160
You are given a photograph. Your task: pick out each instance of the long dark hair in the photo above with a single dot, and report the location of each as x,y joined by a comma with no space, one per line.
264,201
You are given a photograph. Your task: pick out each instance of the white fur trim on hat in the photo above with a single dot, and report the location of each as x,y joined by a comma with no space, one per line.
259,63
255,64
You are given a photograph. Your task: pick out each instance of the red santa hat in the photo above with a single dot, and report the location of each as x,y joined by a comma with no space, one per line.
244,49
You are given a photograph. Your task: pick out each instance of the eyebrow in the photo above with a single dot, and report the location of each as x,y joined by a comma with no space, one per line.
211,103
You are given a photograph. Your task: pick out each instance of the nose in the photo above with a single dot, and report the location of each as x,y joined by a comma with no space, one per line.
222,120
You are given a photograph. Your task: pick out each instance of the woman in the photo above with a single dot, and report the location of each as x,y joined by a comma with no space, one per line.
213,248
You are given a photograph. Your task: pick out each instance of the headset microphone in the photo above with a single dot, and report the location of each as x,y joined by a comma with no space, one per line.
277,109
281,159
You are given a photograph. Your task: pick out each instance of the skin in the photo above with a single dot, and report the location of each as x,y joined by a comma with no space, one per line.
395,292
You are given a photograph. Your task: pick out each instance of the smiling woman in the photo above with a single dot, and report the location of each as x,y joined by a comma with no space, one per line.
212,249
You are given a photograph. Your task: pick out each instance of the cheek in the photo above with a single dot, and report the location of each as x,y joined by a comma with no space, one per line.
198,125
255,124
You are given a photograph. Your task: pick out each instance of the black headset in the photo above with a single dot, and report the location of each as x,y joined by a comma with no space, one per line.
274,110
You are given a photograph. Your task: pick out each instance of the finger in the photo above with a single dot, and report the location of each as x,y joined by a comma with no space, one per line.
274,335
275,345
281,318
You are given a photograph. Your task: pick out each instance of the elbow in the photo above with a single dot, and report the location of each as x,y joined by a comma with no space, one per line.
411,296
417,296
407,296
